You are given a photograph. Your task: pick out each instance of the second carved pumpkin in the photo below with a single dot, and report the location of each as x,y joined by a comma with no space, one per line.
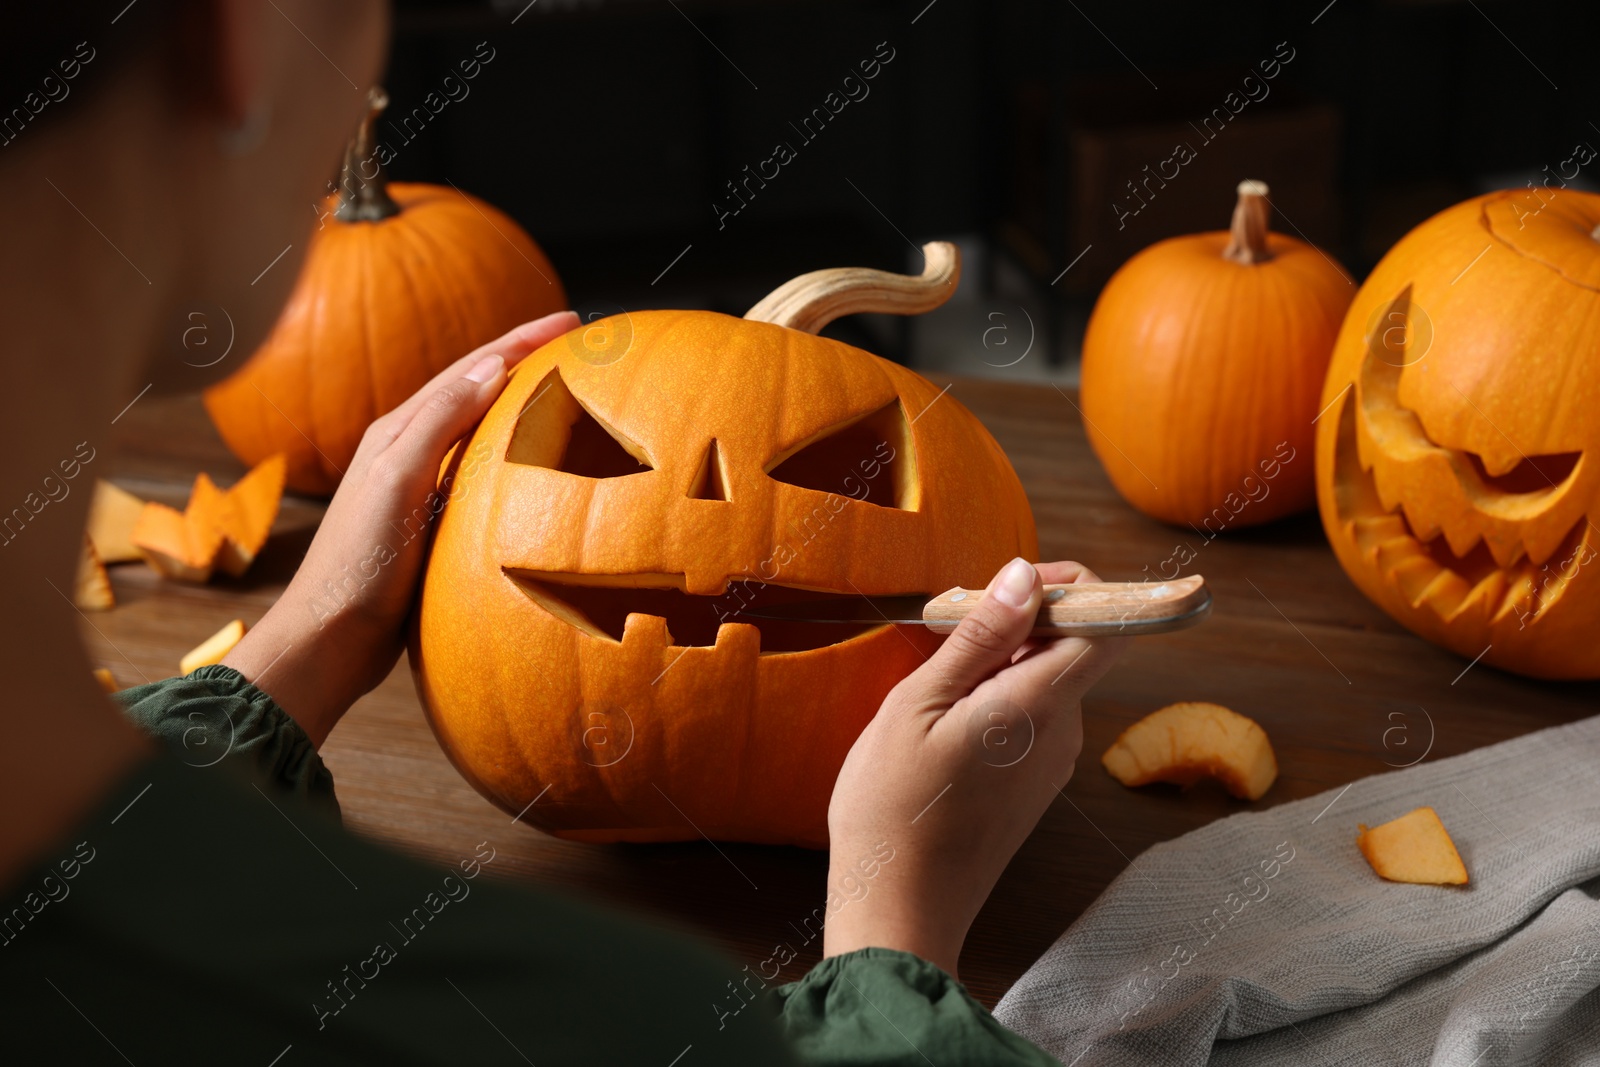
1456,462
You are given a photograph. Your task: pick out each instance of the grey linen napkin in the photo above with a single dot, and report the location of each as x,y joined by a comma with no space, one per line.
1265,938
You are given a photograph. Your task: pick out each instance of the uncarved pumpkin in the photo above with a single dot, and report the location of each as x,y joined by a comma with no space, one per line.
1202,365
1458,462
582,643
400,281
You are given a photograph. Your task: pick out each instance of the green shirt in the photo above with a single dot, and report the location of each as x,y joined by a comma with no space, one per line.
204,916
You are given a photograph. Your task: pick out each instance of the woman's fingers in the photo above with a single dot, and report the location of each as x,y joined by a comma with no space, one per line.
985,640
1065,667
444,418
1066,572
511,347
1058,674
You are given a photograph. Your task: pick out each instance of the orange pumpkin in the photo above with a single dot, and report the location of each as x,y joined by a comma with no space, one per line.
400,281
1454,468
1202,365
583,645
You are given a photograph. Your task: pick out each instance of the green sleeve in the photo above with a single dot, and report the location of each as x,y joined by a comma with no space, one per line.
193,919
880,1007
214,714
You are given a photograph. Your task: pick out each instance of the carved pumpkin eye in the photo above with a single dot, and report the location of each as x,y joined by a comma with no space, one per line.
555,430
868,458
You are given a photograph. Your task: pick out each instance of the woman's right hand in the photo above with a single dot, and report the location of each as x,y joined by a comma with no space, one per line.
955,771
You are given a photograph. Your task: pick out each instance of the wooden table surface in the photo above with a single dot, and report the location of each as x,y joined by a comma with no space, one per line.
1343,691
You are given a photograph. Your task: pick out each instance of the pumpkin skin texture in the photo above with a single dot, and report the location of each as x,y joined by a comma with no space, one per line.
646,739
1456,462
379,309
1200,377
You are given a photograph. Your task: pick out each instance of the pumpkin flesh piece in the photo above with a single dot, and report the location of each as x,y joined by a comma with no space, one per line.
1414,848
175,547
1183,743
212,649
113,513
92,588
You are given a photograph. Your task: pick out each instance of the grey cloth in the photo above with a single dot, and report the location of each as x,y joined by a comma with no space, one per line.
1265,938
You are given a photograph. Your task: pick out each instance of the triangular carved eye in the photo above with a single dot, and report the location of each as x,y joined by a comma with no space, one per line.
869,458
555,430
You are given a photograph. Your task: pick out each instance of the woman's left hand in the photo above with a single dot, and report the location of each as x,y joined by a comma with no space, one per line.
338,628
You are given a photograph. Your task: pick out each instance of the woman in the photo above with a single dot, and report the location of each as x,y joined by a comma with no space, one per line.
160,154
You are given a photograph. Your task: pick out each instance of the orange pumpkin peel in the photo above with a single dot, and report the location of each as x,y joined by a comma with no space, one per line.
1183,743
1414,848
218,529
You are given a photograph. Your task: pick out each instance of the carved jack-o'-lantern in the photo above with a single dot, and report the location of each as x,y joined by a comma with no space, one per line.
583,644
1457,456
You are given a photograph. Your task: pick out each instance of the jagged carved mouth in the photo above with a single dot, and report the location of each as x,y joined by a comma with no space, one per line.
1429,570
599,605
1491,547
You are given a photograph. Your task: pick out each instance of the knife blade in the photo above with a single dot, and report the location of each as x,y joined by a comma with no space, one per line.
1083,609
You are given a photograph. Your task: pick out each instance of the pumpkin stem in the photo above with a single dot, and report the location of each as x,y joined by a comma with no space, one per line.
811,301
363,189
1247,239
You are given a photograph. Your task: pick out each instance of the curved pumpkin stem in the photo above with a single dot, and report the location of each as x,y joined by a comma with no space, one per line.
362,198
811,301
1247,239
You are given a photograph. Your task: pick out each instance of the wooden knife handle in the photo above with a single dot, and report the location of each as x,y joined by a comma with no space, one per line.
1093,609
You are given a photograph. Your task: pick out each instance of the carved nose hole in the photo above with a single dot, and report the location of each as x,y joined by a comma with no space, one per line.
710,481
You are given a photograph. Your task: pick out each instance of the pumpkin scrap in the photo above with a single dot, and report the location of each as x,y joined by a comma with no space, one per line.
176,547
244,512
92,591
112,515
217,529
1183,743
213,648
108,683
1414,848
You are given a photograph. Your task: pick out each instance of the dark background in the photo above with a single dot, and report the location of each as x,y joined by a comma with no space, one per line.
609,127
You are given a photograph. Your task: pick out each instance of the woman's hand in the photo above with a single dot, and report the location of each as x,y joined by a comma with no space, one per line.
954,772
338,628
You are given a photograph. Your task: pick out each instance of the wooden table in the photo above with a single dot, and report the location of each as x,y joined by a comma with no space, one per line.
1291,643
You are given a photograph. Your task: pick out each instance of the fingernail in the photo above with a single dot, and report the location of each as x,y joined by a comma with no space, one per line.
1015,584
485,369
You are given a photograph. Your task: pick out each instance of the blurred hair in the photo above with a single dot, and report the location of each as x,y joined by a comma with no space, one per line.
41,42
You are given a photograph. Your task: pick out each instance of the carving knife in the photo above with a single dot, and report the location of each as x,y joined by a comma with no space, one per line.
1083,609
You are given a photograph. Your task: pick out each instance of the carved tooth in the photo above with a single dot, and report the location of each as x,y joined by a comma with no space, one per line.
1423,527
1507,553
1391,490
1461,540
1544,544
1483,600
1520,597
1391,553
1445,593
1413,576
1370,531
